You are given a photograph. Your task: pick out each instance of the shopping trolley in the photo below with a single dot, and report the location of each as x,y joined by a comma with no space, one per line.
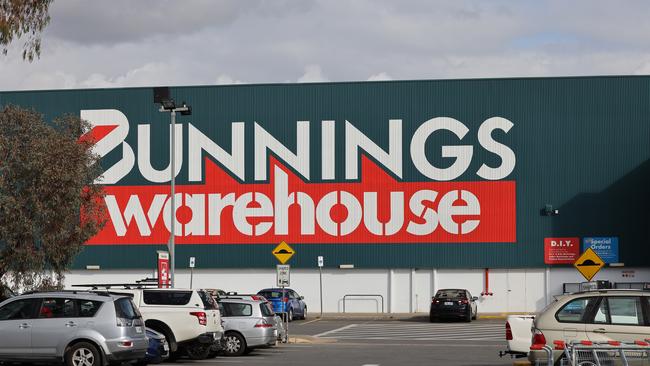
587,353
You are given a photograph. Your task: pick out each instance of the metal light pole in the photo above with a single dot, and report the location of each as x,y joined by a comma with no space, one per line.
167,104
172,234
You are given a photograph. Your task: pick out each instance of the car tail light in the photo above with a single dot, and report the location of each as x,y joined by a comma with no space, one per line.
127,344
464,301
508,332
538,337
285,299
201,316
256,298
263,324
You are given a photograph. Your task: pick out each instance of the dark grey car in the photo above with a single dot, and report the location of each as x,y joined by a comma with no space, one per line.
76,327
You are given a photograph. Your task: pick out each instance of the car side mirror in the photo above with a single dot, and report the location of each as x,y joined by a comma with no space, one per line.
302,297
474,298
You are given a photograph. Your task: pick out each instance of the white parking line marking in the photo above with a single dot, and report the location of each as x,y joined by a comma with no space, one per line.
336,330
311,321
420,332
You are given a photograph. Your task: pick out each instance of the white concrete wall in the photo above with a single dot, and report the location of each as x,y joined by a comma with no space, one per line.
403,290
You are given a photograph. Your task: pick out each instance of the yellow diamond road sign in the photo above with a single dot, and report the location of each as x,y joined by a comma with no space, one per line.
589,264
283,252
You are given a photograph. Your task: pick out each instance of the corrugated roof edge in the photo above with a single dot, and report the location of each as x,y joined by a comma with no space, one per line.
337,83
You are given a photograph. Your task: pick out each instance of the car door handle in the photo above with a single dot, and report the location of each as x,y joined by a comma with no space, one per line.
70,324
24,326
599,330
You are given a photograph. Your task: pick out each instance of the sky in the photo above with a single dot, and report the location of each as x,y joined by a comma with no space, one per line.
120,43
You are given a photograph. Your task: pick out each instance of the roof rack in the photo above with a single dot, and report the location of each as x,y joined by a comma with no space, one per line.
65,291
235,295
605,290
97,286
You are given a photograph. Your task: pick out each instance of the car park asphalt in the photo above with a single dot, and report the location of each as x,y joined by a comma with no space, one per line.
365,342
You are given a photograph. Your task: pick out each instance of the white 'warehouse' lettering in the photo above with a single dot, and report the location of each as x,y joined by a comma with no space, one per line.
207,212
391,159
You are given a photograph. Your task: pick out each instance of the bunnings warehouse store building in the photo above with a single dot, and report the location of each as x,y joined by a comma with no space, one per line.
403,187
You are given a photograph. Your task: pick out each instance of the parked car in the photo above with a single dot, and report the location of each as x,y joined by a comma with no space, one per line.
71,326
248,324
291,304
597,316
279,323
158,350
188,318
518,335
5,293
457,303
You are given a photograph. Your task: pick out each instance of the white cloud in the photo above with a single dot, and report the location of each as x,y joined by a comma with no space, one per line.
313,74
125,43
382,76
226,80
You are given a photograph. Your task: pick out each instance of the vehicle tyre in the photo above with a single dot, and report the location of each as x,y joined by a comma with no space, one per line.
197,351
304,314
83,354
290,315
432,319
144,362
174,356
468,316
235,344
475,316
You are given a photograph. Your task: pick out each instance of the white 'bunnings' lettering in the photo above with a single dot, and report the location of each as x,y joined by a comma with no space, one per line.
198,145
355,139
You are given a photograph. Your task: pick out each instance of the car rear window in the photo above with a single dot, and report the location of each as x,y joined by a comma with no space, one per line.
267,309
125,309
620,311
272,294
166,297
88,308
451,294
237,309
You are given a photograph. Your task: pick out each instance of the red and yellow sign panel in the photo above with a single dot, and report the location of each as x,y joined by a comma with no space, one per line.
377,209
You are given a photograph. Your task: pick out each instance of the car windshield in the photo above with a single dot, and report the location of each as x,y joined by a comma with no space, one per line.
208,301
450,294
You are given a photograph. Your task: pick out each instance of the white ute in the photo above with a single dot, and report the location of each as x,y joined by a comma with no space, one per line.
518,335
189,319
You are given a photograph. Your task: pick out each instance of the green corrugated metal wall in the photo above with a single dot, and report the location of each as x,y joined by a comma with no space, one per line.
582,144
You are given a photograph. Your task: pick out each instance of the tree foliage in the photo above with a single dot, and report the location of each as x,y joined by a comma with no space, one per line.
49,205
24,18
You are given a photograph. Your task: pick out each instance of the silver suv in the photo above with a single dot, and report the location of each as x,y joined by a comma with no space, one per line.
248,324
76,327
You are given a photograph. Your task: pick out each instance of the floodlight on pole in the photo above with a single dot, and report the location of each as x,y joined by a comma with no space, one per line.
161,95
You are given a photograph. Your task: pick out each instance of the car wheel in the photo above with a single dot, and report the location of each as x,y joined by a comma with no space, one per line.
468,316
304,314
290,315
83,354
198,351
235,345
475,316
